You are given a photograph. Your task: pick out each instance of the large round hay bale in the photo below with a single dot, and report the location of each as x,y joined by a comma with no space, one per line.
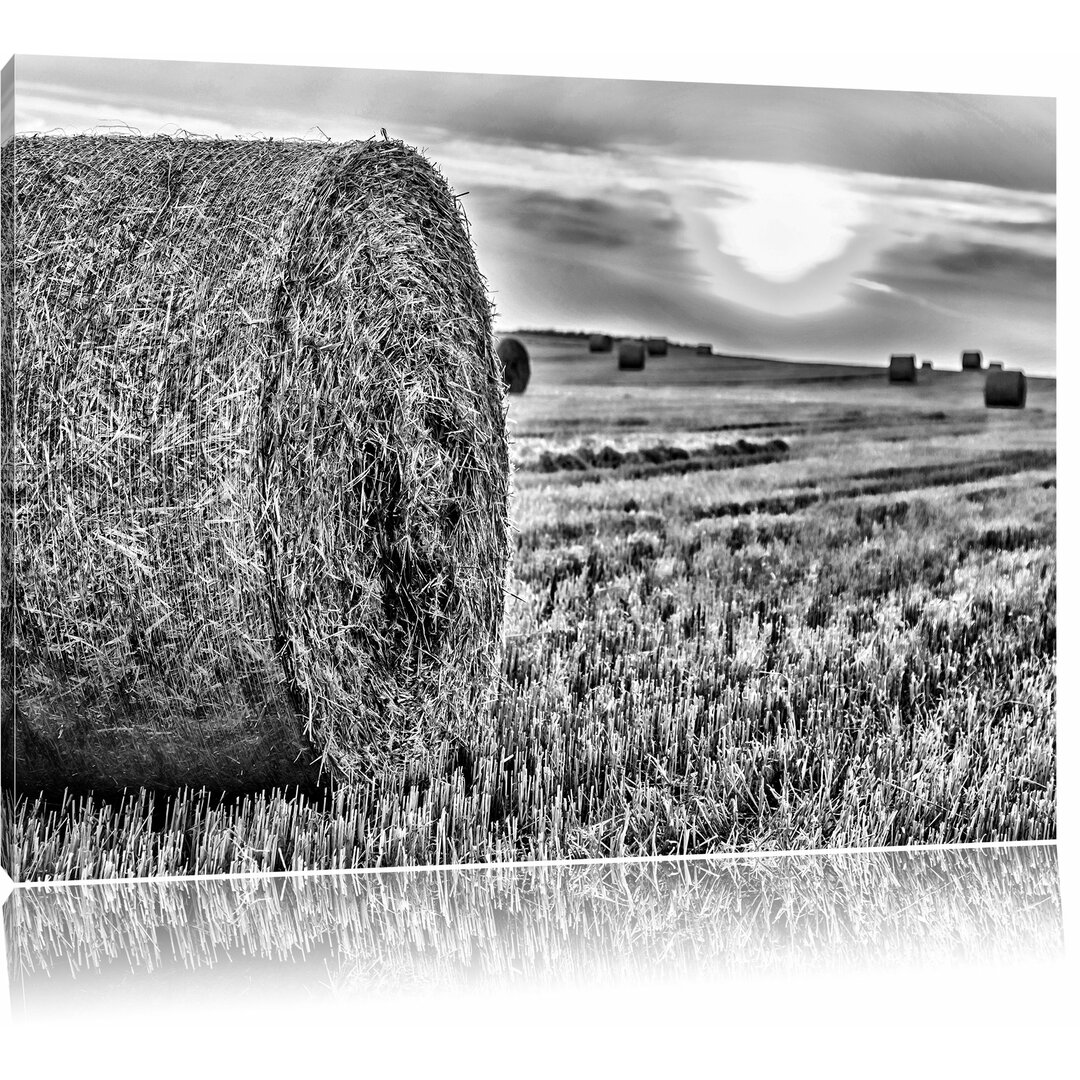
971,360
656,346
600,343
995,365
516,368
1005,389
260,461
704,349
631,355
902,368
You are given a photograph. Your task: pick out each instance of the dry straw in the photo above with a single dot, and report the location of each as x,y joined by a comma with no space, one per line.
902,368
1005,389
516,368
260,461
631,355
600,343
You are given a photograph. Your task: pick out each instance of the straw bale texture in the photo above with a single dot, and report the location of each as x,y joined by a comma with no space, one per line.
1005,389
656,346
260,480
971,360
600,343
902,368
516,367
631,355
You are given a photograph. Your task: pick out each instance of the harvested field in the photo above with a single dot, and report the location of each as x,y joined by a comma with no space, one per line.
847,641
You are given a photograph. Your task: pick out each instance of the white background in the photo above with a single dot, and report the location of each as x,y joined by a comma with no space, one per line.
1004,1022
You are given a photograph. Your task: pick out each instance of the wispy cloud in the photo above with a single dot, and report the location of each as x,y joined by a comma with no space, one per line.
912,298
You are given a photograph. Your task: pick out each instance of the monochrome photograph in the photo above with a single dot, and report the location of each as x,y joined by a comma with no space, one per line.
405,468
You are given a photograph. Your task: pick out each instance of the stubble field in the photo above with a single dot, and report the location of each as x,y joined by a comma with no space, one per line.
752,606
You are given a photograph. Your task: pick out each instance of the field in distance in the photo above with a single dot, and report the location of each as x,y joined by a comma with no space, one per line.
753,606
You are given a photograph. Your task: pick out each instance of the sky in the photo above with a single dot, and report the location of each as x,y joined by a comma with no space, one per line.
802,223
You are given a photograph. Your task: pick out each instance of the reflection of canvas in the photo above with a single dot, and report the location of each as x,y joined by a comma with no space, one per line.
533,925
548,493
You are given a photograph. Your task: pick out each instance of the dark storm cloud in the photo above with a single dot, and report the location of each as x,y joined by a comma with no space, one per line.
997,140
983,260
587,221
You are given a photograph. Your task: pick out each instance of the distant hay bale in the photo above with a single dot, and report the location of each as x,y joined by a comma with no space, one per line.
260,461
902,368
704,349
631,355
1005,389
656,346
995,365
516,369
600,343
971,360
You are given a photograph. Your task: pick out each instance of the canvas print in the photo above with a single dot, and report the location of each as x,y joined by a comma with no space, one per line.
411,468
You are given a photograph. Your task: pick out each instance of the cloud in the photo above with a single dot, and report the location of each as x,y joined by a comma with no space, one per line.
986,260
589,221
607,220
1044,226
1003,141
921,301
624,205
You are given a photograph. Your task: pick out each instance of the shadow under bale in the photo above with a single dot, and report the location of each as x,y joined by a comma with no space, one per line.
255,519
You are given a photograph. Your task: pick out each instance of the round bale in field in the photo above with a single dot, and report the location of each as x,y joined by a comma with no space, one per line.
260,468
704,349
995,365
971,360
902,368
1005,389
656,346
631,355
516,369
600,343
